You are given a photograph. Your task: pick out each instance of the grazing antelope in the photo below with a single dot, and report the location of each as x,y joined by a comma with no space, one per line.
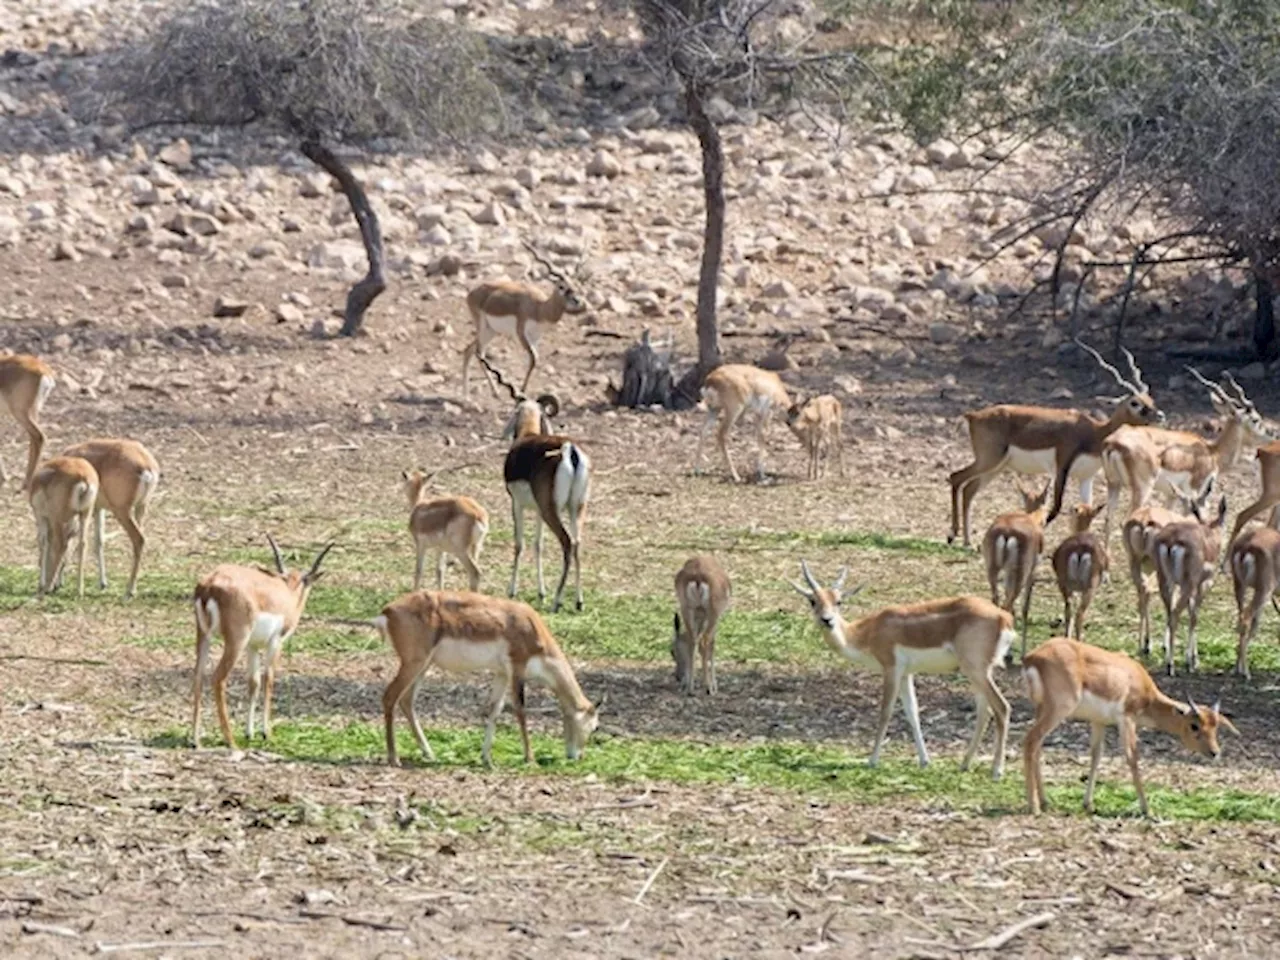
25,384
702,595
520,310
1186,556
473,633
253,607
1269,499
817,424
1255,565
1138,536
1039,440
551,474
63,492
965,634
1012,548
127,477
1080,563
454,526
1070,680
1177,463
728,392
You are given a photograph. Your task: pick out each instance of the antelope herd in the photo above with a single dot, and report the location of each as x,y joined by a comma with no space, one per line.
1174,549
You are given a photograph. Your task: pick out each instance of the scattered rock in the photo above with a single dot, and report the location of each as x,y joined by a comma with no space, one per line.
915,180
289,313
337,255
226,306
64,250
944,333
176,154
268,248
779,290
604,164
491,214
482,161
175,281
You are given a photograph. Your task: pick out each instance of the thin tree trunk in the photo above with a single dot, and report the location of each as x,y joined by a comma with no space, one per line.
1264,325
367,290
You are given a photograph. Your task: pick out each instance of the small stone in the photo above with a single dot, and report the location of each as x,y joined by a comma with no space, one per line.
445,265
61,342
139,223
175,281
491,214
528,177
482,161
742,276
604,164
226,306
143,192
66,251
942,333
940,152
437,236
267,248
288,313
176,154
313,185
915,180
779,290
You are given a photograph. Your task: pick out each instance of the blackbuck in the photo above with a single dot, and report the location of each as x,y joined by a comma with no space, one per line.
1255,566
550,474
818,424
1186,556
1040,440
1138,536
520,310
127,477
1269,498
968,635
730,391
473,633
251,607
702,597
1011,550
25,384
452,526
1079,564
1177,463
62,495
1070,680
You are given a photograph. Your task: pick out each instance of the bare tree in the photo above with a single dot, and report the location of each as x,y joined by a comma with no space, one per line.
328,72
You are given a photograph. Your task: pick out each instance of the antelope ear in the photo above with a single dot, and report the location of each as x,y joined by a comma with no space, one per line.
267,570
801,590
852,593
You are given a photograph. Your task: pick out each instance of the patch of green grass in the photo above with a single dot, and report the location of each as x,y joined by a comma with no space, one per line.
703,539
156,589
792,766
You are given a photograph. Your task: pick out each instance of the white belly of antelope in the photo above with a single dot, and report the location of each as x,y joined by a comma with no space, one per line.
932,660
457,655
1096,710
1022,460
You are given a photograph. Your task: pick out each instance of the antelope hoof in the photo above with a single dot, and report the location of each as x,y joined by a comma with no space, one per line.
1169,668
951,538
579,606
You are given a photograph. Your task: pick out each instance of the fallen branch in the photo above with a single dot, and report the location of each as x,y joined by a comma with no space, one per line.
101,947
1013,932
352,921
652,877
30,926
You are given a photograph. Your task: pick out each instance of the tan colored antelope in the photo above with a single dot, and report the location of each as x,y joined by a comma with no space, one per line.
1012,548
1269,498
1186,556
818,425
1040,440
1255,565
25,384
965,634
249,607
519,310
1138,536
474,633
1070,680
551,474
1080,563
127,477
63,492
730,391
702,595
1178,463
453,526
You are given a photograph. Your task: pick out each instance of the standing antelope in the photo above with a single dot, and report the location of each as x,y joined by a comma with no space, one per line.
454,526
63,492
127,477
1178,463
1039,440
473,633
730,391
1138,536
1255,565
702,595
253,607
551,474
1070,680
965,634
817,424
1079,563
1269,499
25,384
520,310
1186,556
1012,548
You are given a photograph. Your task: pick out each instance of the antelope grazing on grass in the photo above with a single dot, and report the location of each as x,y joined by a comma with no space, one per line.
473,633
250,607
1177,463
1186,557
965,634
127,477
1138,536
1012,548
1255,565
702,595
25,384
551,474
1069,680
519,310
1039,440
1269,498
728,392
1079,563
453,526
818,425
63,492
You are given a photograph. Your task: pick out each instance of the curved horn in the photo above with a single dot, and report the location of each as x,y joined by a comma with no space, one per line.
1106,366
516,395
550,404
1192,704
275,550
547,264
804,568
800,590
1239,390
315,566
1135,370
839,584
1215,391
